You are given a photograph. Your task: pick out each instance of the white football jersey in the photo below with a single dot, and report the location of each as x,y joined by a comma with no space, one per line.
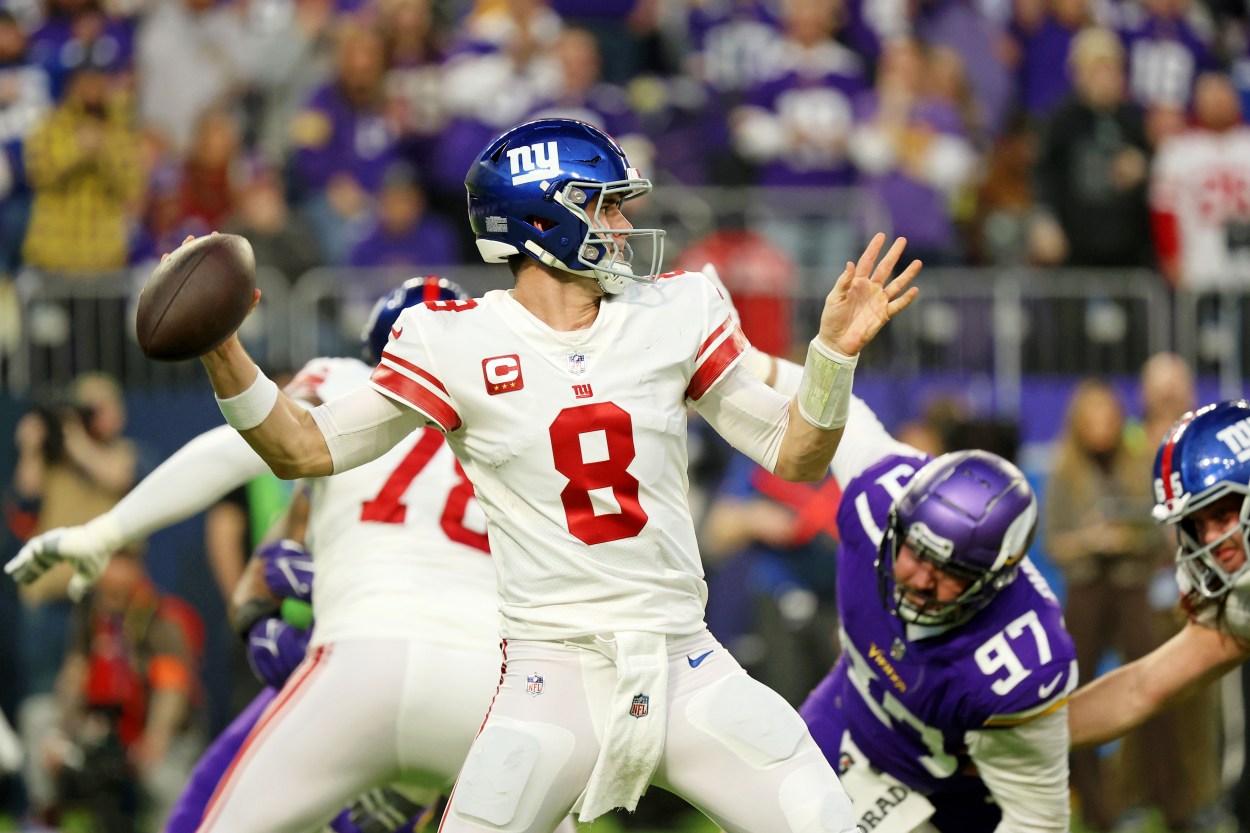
1203,178
400,543
576,444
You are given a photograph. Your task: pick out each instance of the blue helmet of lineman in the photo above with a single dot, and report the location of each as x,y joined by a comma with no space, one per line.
541,189
1205,458
970,513
377,329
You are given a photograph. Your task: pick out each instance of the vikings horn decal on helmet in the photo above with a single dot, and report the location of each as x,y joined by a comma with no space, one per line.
543,189
1205,458
972,514
377,329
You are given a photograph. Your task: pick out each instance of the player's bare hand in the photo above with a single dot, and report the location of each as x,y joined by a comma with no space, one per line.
865,298
184,242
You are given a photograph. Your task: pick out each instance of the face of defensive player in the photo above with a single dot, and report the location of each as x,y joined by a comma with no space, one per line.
924,583
1220,522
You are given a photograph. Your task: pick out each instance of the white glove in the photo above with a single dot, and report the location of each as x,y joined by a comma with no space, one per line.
86,548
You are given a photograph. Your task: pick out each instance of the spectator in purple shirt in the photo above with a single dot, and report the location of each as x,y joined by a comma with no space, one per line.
796,127
984,46
1166,52
583,95
912,149
406,234
76,32
345,143
1043,31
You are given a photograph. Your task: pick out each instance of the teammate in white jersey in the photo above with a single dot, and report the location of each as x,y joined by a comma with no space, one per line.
1200,193
565,399
1202,487
405,654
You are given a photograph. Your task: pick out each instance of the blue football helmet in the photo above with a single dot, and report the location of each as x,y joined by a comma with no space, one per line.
1205,458
530,192
970,513
377,330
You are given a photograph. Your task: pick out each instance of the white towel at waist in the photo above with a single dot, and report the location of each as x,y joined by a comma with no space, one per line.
633,737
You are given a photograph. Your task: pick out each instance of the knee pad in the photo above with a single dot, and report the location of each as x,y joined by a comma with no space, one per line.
749,718
814,802
510,761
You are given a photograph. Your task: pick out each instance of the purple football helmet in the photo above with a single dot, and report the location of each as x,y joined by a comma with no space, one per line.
1205,458
537,190
422,290
970,513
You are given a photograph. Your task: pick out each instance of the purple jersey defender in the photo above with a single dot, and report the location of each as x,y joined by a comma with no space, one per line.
908,693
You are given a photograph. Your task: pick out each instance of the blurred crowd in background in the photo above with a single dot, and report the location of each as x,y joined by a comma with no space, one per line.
339,131
996,133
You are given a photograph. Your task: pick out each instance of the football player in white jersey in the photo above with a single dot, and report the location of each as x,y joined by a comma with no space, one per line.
1202,487
404,657
565,399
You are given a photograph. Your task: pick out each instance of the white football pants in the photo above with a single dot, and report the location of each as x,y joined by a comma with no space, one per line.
356,715
733,747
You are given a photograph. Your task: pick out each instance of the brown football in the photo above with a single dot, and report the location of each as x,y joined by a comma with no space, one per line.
196,298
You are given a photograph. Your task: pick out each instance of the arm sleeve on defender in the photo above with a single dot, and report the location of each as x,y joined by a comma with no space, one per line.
362,425
864,439
751,416
194,478
864,442
1026,769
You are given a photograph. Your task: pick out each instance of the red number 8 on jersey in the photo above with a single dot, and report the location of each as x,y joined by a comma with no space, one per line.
567,431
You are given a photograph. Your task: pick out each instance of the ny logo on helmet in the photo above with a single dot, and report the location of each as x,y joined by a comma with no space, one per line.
533,163
1237,438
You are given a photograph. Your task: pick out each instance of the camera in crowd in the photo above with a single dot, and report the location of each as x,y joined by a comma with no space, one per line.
55,415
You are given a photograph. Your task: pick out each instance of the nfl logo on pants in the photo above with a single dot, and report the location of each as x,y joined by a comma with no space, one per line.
639,707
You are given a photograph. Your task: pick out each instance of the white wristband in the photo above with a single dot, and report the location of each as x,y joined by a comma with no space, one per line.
825,389
250,408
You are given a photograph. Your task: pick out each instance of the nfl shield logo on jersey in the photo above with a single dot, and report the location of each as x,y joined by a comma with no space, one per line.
640,706
534,685
577,363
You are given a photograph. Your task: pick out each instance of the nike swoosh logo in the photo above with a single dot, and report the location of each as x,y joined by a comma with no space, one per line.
396,332
694,661
1044,691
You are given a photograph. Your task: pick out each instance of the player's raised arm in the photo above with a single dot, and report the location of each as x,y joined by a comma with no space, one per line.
863,299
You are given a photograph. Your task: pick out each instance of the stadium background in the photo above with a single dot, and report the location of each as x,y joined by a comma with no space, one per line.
335,134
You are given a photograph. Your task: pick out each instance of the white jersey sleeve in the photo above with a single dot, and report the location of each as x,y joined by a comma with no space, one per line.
864,442
409,370
326,378
1026,770
723,342
197,475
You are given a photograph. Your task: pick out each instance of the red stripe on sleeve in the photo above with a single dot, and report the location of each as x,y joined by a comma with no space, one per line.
714,365
412,368
416,395
703,348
